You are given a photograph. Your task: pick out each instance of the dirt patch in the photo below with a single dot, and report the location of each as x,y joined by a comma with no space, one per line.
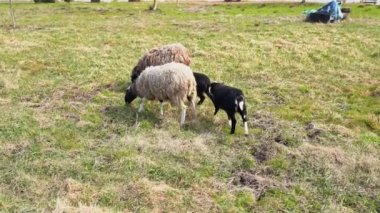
258,184
63,205
277,98
279,131
9,149
72,189
136,193
313,132
263,152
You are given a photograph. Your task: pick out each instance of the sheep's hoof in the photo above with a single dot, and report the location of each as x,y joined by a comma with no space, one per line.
136,125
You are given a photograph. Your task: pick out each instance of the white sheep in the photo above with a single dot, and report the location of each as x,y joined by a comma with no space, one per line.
173,82
158,56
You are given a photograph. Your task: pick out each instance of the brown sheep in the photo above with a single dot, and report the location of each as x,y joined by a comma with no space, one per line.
162,55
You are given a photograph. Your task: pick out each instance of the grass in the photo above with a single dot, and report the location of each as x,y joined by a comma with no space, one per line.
68,142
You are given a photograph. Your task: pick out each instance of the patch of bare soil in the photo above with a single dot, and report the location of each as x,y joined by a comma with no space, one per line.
285,132
313,132
258,184
263,152
275,130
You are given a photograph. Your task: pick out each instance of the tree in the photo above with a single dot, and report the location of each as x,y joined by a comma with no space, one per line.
12,12
155,3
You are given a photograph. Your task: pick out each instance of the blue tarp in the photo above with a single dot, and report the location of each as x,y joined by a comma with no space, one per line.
331,9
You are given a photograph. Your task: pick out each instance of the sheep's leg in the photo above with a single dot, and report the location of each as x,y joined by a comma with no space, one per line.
245,128
233,119
161,108
243,115
141,108
193,108
229,120
202,97
183,114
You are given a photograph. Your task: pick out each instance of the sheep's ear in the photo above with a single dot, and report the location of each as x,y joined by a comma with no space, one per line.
209,91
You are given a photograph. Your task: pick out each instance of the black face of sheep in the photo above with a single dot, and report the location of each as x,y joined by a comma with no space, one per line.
203,84
232,101
134,74
129,95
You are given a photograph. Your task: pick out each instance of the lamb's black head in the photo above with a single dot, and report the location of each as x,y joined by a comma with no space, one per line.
135,74
130,95
213,86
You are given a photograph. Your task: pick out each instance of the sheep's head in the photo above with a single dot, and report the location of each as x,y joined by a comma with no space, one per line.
135,73
130,94
212,87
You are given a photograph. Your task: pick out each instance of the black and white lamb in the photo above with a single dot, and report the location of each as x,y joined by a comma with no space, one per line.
232,101
203,84
173,82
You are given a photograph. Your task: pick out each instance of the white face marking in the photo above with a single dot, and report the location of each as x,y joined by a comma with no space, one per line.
241,105
129,88
230,122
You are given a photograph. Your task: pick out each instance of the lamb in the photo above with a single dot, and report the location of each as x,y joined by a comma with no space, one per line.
162,55
231,100
173,82
203,84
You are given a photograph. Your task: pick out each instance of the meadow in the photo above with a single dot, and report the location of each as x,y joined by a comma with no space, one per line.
68,142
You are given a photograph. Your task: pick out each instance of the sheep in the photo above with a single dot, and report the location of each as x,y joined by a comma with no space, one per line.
173,82
231,100
203,84
162,55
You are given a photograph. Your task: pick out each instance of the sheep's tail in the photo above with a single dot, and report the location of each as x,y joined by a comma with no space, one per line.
192,95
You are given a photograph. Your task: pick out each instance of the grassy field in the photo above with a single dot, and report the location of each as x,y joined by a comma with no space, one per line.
68,142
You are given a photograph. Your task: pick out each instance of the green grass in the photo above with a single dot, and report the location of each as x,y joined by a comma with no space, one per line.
69,143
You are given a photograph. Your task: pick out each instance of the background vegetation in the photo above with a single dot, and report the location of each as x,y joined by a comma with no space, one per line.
68,142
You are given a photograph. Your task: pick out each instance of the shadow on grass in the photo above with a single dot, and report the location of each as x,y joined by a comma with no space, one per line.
201,125
126,114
